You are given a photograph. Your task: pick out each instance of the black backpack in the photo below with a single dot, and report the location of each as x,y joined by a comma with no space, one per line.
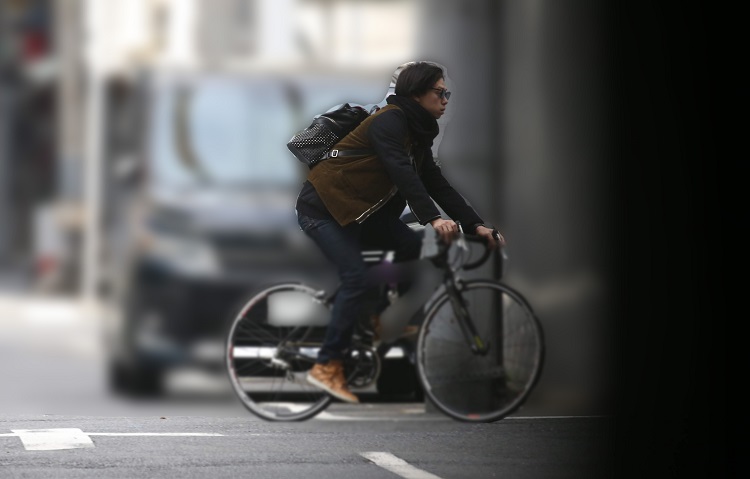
314,144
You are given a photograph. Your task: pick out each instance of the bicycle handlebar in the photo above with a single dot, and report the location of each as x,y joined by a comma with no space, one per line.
440,248
485,255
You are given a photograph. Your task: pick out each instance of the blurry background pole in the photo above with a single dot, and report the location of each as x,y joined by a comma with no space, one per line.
68,40
92,184
92,160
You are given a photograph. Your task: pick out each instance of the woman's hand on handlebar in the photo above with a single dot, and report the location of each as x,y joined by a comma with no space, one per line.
447,229
493,237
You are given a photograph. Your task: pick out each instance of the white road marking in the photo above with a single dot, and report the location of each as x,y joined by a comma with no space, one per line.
327,416
397,465
352,413
170,434
74,438
53,439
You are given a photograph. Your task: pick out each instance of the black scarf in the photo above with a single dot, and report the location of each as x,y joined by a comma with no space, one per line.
422,126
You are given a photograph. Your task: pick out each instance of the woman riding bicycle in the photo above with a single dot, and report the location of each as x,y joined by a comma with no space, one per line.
352,203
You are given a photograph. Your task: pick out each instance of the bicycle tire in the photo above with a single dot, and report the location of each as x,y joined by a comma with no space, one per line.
271,344
480,388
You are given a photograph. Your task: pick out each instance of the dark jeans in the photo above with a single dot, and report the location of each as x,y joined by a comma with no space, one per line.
343,246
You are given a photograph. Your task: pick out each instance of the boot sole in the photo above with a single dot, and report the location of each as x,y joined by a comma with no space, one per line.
319,385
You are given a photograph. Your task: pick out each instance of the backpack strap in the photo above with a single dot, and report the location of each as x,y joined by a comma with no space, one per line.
342,153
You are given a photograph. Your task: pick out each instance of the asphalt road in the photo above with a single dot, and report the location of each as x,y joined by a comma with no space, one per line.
58,420
384,442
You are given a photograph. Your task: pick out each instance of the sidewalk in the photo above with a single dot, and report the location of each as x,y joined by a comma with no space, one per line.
19,302
53,323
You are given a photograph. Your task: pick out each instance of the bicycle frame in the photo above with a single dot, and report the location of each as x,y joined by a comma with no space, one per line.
452,284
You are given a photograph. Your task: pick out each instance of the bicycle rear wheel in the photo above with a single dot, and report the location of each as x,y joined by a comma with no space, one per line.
272,343
480,388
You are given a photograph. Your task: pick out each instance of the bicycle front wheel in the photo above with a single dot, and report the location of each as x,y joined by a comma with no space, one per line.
475,387
272,343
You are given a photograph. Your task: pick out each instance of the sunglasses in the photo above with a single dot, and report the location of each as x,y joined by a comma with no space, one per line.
443,92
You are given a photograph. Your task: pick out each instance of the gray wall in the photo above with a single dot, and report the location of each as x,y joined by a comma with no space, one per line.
5,211
525,144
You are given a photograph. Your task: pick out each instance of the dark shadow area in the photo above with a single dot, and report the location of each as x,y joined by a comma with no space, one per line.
671,375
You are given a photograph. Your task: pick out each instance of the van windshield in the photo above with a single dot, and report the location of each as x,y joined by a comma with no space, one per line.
221,131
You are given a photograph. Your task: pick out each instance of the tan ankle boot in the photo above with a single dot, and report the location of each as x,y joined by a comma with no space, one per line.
330,378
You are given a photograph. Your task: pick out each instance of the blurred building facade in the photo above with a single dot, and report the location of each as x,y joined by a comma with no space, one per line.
27,120
524,143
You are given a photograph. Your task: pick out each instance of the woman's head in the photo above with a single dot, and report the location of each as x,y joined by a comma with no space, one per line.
425,83
418,77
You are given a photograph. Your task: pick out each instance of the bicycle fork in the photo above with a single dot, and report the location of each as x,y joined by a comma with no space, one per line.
468,329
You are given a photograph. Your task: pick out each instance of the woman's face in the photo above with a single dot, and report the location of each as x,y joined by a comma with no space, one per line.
435,99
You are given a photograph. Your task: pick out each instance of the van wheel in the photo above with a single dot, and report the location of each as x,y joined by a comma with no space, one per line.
135,380
399,378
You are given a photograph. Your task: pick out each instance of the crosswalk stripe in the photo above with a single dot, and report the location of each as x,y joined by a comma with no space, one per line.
53,439
74,438
397,465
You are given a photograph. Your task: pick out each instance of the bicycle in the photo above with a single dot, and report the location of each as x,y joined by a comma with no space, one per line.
479,351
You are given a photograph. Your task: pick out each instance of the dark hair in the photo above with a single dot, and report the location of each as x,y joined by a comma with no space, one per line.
418,77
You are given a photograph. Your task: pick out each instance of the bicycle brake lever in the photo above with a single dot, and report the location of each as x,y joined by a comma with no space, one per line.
430,246
461,242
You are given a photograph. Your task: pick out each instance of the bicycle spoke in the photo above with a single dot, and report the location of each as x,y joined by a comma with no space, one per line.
480,387
249,368
268,363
